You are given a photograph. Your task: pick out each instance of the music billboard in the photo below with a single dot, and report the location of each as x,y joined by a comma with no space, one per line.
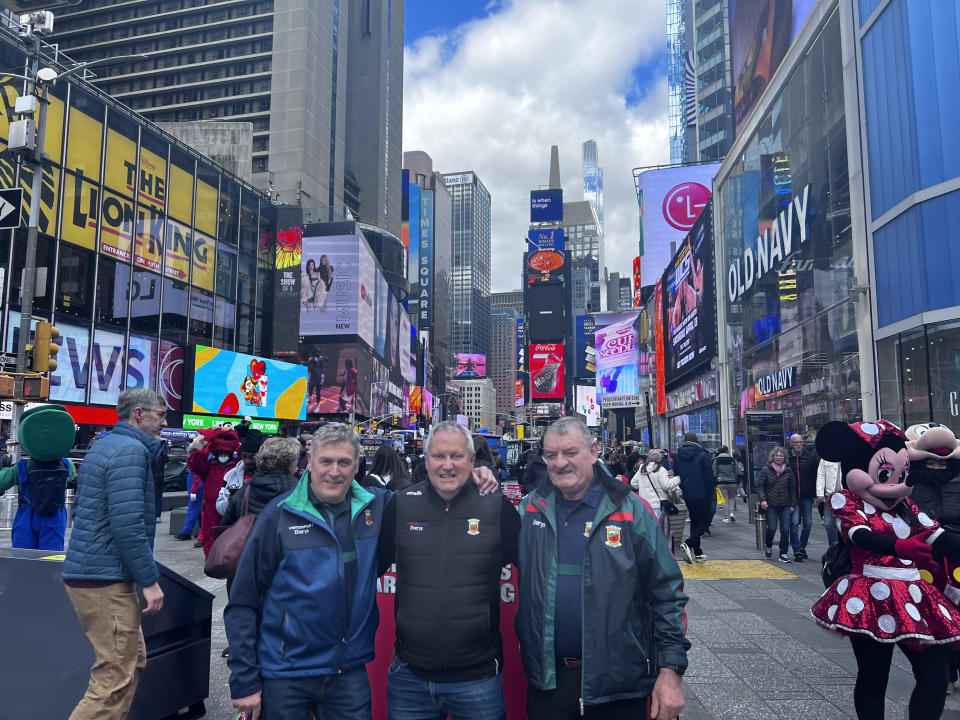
688,286
329,285
670,202
546,371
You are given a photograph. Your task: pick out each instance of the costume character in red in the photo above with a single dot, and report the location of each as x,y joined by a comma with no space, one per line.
884,601
209,468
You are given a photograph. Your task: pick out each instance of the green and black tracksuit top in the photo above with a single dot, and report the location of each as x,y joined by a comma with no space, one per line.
633,616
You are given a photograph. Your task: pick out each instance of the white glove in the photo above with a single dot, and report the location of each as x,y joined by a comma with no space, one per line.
193,497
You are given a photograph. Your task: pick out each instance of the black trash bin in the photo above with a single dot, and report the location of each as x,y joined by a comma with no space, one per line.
49,657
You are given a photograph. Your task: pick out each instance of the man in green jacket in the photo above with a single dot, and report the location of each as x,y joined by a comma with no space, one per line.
601,621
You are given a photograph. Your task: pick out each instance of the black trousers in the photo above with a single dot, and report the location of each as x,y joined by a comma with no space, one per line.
930,670
564,702
701,513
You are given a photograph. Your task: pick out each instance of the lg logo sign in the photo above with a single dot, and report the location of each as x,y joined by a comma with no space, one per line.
683,203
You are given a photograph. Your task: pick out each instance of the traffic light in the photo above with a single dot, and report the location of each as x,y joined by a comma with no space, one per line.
44,349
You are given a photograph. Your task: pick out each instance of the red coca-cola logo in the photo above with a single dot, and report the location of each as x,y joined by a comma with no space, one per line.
683,203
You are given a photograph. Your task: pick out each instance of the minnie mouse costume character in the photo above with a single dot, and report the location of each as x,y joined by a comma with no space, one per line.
884,601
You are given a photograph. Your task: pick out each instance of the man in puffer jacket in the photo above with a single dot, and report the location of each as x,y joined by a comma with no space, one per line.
111,551
210,470
696,483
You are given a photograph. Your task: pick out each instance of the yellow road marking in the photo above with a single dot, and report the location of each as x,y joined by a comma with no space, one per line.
733,569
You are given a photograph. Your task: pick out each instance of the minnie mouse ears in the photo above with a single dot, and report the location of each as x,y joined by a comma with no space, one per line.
839,442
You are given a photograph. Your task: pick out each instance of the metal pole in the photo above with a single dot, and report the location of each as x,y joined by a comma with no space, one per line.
30,266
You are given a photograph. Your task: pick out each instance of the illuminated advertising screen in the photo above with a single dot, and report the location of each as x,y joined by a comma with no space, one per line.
198,422
637,282
585,347
761,32
406,360
544,258
546,371
470,365
521,344
286,287
425,269
689,302
659,349
336,377
518,393
229,383
587,404
670,202
366,299
329,287
618,379
546,206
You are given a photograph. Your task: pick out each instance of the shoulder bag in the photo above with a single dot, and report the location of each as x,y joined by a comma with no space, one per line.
665,505
225,553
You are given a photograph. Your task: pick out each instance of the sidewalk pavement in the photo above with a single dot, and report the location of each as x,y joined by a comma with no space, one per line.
757,654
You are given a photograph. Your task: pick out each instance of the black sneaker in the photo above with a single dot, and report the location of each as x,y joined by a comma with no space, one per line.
798,557
181,536
803,554
769,553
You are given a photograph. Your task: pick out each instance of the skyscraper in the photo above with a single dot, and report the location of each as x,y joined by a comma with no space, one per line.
320,82
714,96
584,240
681,82
593,178
470,329
502,361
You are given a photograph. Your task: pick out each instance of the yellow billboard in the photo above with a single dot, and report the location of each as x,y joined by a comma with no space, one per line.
84,141
121,162
181,193
148,246
207,209
152,183
117,222
178,251
81,203
203,261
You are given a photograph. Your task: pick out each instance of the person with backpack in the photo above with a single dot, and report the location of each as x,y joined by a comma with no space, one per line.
726,476
46,434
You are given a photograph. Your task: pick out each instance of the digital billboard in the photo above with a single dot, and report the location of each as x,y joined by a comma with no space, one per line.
546,371
544,304
229,383
761,32
659,347
336,377
470,365
425,271
618,379
544,258
286,286
367,278
587,405
404,348
688,288
521,344
670,201
585,347
329,287
518,395
546,206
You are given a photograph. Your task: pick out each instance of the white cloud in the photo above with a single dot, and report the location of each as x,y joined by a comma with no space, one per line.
493,95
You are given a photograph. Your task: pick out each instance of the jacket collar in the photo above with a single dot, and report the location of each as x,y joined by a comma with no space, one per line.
299,499
154,445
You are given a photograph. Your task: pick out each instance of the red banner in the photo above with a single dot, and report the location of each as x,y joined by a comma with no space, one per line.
658,341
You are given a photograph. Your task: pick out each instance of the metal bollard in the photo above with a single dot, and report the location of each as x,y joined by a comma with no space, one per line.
8,508
760,523
68,504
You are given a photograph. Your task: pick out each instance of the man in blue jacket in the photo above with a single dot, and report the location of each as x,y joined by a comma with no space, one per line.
695,469
303,606
111,551
600,621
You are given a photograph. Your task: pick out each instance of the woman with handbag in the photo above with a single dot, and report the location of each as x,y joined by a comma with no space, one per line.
653,483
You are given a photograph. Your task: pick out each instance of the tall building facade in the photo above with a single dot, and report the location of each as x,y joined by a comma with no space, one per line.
478,401
584,241
510,300
471,263
681,82
502,362
619,293
713,90
320,82
592,178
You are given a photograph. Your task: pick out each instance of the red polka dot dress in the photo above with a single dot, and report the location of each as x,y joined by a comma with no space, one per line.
885,598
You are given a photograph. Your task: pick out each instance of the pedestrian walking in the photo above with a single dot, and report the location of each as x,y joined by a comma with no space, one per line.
804,464
828,482
777,489
693,466
725,476
653,483
197,445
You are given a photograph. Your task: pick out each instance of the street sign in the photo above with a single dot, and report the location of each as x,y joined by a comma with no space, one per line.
11,200
8,362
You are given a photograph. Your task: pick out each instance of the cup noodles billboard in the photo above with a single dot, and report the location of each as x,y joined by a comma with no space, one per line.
546,371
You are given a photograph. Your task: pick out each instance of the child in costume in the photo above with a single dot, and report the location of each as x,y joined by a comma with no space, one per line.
46,434
884,601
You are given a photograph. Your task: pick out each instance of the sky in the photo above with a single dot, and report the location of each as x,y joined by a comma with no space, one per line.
490,85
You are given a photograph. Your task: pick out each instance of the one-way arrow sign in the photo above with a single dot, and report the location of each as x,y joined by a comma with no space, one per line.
11,200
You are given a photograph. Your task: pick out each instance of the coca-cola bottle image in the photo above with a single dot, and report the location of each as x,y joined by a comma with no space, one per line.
545,381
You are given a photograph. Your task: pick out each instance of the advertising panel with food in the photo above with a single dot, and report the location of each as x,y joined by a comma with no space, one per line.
546,371
545,256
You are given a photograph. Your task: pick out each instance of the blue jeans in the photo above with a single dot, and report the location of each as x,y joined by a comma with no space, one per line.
193,509
411,698
781,516
830,523
324,697
804,509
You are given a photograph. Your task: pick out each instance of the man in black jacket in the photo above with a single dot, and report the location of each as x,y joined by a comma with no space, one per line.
804,465
449,543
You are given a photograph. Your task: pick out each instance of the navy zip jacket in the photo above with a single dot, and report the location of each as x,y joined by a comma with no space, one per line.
287,616
693,466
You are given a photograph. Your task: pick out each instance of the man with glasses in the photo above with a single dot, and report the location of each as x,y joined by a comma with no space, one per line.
111,551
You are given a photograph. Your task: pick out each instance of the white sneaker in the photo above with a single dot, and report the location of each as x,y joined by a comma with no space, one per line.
687,553
727,520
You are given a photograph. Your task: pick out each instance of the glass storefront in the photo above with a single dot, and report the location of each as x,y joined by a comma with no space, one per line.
919,376
144,247
785,249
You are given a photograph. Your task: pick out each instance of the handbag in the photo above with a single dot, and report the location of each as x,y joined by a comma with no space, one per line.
670,508
224,555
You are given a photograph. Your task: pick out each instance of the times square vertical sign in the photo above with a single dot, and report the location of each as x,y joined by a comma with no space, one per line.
425,274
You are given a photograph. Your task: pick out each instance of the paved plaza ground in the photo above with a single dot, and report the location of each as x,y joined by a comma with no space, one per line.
756,652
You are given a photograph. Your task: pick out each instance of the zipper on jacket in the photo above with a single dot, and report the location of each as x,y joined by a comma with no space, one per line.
283,634
443,595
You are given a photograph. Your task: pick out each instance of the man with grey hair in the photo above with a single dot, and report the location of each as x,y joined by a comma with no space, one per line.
804,464
111,551
450,542
302,614
601,618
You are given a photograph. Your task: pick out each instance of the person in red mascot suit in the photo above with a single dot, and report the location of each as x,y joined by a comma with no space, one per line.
883,601
209,469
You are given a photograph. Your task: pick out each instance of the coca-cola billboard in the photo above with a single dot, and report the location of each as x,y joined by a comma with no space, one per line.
546,371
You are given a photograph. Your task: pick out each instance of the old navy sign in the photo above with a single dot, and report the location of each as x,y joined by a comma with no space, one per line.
773,247
776,382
